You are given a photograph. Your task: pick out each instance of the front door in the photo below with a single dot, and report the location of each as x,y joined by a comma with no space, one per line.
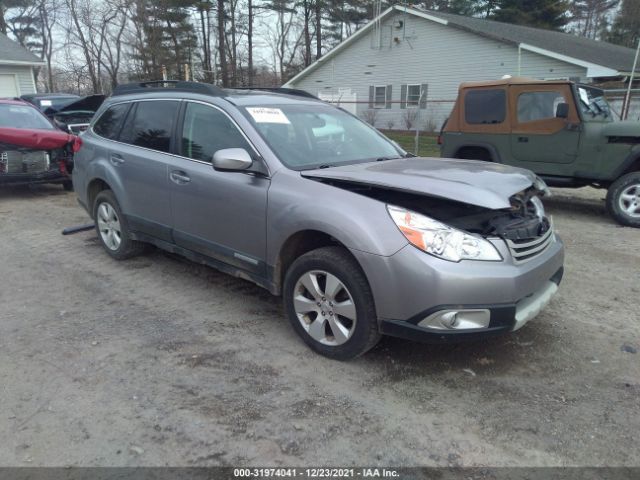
540,140
219,214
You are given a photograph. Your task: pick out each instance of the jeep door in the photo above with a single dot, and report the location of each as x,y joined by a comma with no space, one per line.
220,214
541,139
141,161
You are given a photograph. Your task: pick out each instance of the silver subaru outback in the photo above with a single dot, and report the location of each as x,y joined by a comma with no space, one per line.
360,238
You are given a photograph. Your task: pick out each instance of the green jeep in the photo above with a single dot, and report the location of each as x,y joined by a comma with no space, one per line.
562,131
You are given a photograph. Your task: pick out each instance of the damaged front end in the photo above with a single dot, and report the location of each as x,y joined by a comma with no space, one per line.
30,157
455,230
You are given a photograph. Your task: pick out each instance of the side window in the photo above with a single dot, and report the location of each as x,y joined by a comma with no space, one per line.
150,125
485,106
207,130
534,106
110,122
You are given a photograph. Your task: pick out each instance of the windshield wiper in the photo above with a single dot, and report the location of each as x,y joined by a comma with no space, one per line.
382,159
325,165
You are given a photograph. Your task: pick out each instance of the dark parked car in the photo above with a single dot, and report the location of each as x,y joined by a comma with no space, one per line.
71,113
32,149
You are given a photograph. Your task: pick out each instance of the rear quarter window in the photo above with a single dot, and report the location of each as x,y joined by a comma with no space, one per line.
150,125
485,106
110,122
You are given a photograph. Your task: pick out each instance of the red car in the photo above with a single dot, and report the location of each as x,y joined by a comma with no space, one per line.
32,149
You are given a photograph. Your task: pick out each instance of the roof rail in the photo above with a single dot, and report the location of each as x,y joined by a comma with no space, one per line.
284,90
173,85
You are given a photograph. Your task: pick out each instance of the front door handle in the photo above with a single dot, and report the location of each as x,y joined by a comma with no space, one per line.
523,139
179,177
116,159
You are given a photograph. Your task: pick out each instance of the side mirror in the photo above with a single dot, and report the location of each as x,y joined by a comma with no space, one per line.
232,159
562,110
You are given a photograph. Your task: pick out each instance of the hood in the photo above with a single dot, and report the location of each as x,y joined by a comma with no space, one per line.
483,184
87,104
16,138
624,128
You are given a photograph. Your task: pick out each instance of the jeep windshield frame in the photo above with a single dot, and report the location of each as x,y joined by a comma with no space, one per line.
306,137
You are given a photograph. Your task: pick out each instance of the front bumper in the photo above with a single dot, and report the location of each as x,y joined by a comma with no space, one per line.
410,286
49,176
504,318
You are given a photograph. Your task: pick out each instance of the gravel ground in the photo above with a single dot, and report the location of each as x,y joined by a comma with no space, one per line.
158,361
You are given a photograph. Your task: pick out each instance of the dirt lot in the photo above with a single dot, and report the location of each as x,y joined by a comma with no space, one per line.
157,361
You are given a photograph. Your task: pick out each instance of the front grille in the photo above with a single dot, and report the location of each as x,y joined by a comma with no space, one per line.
526,249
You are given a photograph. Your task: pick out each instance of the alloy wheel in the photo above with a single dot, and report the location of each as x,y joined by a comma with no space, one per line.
325,308
629,201
109,226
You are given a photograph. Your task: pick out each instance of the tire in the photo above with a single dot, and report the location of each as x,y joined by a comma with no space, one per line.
109,218
67,185
348,307
623,200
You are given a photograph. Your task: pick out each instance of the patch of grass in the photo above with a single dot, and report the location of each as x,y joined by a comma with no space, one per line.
428,146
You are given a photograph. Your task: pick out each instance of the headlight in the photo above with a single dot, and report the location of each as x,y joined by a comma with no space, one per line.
441,240
542,187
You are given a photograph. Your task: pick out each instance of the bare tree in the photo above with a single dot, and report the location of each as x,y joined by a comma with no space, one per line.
370,116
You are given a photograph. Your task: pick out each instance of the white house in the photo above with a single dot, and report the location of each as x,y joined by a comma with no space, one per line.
407,63
17,66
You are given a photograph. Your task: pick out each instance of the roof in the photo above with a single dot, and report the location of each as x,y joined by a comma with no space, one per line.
511,81
12,53
601,59
11,101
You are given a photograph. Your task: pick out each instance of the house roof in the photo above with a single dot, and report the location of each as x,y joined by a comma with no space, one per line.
577,47
601,59
12,53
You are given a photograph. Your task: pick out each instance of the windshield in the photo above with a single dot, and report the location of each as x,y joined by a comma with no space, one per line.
593,103
23,116
312,136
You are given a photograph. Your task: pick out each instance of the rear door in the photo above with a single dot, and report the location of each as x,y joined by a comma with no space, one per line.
142,161
219,214
541,141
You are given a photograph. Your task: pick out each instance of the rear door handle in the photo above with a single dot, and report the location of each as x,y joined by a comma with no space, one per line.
179,177
116,159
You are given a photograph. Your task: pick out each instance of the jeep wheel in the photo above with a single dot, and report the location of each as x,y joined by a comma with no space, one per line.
112,228
623,200
329,304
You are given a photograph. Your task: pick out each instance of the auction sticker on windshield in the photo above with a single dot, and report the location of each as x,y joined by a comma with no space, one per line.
268,115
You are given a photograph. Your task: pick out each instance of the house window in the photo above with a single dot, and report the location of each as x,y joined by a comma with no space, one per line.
413,95
485,106
380,97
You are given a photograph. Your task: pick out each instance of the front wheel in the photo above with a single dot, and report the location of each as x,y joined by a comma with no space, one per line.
329,304
623,200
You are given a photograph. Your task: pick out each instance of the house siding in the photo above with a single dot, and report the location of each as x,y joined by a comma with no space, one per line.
24,76
429,53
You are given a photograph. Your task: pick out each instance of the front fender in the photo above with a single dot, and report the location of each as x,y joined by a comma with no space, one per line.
358,222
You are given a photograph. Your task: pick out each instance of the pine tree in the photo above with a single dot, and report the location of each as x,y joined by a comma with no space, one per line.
626,26
548,14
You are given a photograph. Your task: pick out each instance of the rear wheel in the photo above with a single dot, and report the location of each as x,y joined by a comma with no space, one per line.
330,305
113,230
623,200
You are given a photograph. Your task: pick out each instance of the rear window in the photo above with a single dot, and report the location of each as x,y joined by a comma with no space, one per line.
150,125
109,124
485,106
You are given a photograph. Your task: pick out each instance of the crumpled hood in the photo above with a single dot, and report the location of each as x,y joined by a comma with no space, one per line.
625,128
90,103
488,185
